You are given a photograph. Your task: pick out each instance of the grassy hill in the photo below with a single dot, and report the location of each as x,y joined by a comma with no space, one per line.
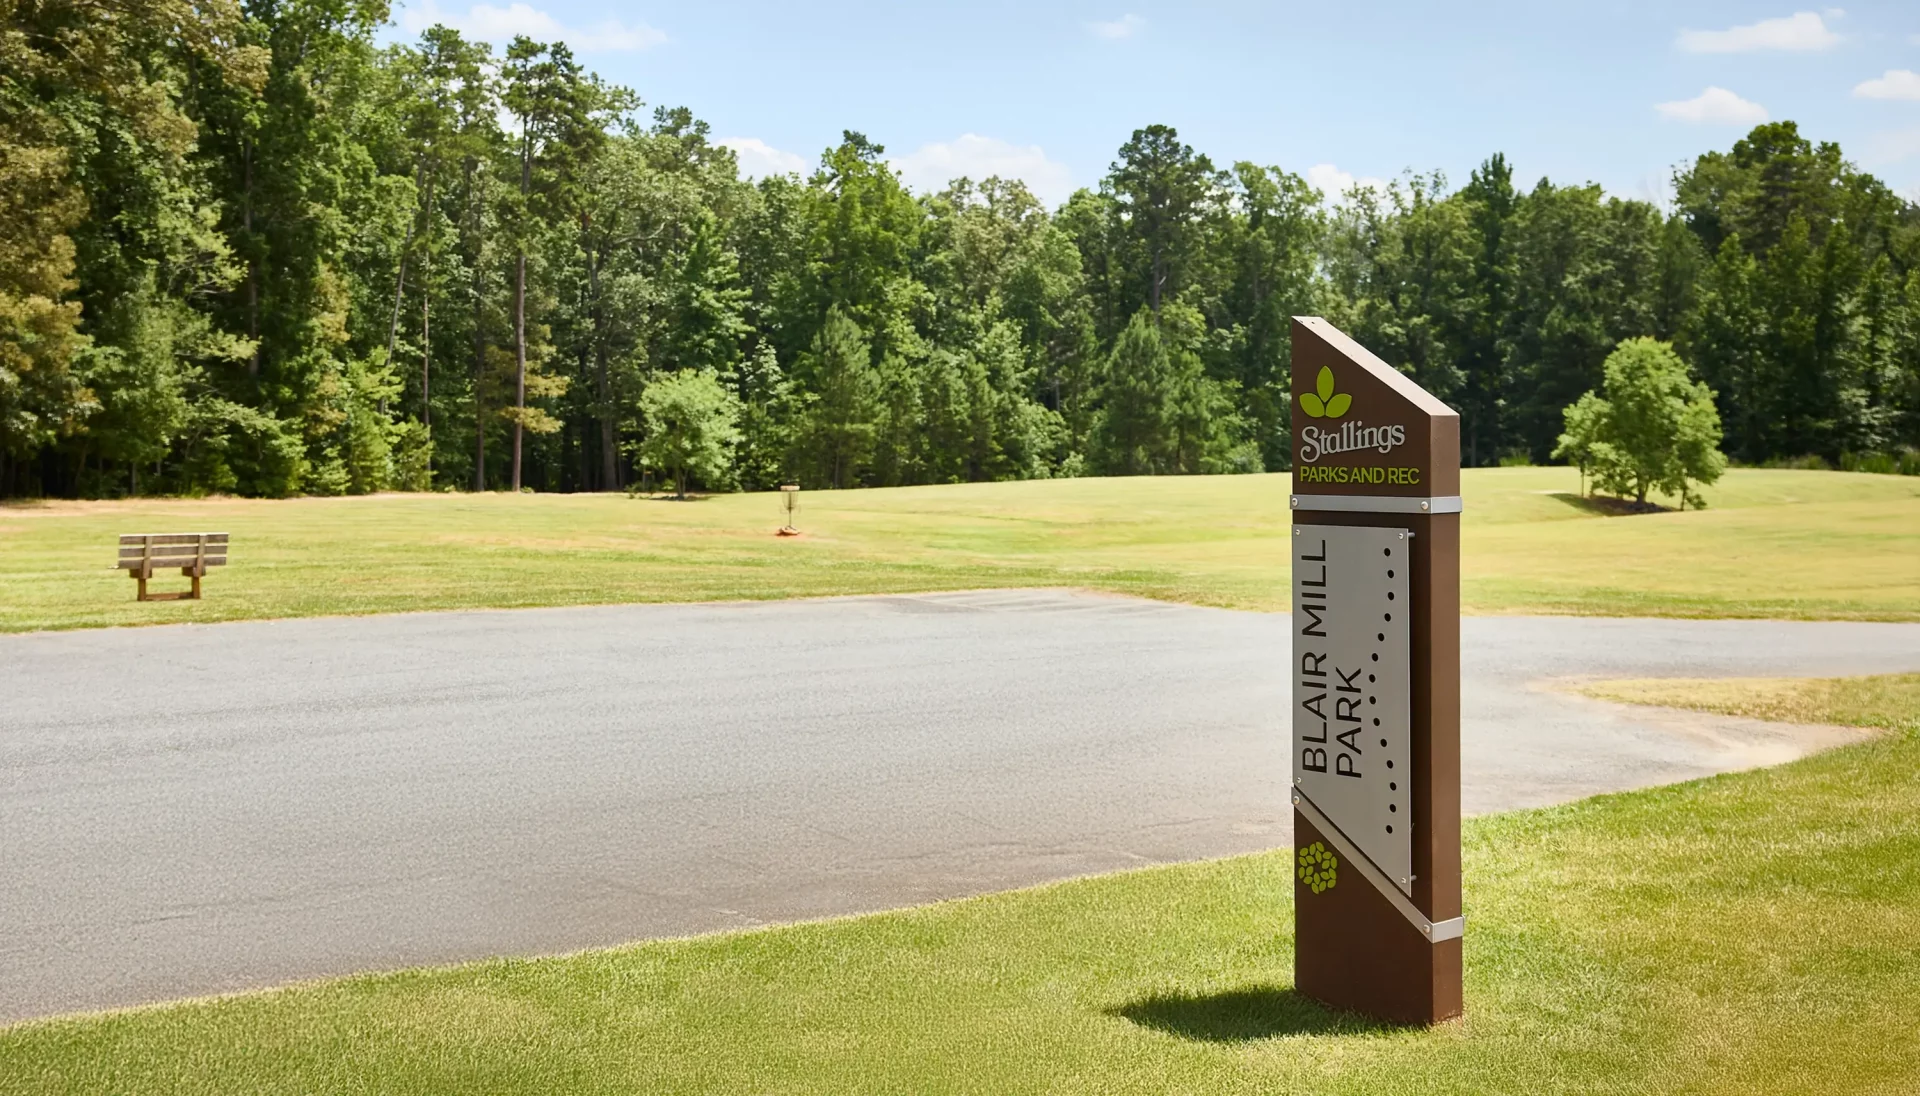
1773,543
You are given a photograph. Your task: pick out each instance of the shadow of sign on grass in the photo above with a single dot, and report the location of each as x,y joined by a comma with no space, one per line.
1243,1015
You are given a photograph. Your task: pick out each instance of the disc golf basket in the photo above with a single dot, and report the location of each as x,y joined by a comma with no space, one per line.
790,500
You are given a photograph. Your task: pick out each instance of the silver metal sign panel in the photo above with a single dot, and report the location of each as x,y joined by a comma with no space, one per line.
1352,687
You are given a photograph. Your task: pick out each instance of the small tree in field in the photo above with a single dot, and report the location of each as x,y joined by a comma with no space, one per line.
1583,418
692,425
1652,428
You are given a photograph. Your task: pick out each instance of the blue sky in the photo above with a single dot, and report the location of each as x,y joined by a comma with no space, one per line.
1610,93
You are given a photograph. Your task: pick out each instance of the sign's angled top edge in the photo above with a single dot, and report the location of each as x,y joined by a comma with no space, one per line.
1422,400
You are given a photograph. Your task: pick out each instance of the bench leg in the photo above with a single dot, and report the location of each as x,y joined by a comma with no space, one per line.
141,576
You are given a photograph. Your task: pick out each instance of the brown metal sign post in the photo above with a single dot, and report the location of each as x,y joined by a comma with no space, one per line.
1376,684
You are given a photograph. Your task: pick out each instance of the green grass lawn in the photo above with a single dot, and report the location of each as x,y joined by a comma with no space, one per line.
1752,933
1773,543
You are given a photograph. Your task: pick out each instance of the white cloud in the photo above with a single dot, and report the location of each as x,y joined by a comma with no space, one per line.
1335,184
1803,30
758,159
499,25
933,166
612,35
1896,84
1124,27
1714,106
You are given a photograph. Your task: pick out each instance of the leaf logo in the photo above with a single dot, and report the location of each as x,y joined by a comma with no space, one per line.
1324,404
1317,867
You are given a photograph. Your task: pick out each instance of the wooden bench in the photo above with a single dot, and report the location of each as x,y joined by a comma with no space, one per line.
193,553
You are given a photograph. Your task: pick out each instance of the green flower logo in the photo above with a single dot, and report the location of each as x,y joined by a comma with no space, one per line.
1324,404
1317,867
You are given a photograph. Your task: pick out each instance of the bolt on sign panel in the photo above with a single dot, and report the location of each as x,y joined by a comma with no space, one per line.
1352,690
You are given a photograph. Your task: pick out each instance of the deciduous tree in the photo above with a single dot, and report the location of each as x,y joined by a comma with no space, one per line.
692,427
1653,428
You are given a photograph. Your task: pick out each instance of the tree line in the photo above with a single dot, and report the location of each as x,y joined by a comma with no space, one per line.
244,248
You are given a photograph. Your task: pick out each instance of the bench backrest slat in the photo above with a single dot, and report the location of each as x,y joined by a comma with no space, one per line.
146,551
173,538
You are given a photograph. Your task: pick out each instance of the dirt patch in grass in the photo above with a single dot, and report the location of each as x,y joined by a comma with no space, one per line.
1887,701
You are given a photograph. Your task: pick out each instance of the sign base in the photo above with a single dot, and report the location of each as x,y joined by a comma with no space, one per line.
1354,950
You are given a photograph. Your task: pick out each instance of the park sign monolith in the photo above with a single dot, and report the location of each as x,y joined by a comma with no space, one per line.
1376,684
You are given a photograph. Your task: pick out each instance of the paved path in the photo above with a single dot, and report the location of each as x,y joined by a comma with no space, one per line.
196,809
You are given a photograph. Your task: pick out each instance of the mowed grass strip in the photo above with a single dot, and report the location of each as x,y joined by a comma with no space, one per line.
1890,701
1794,544
1751,933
